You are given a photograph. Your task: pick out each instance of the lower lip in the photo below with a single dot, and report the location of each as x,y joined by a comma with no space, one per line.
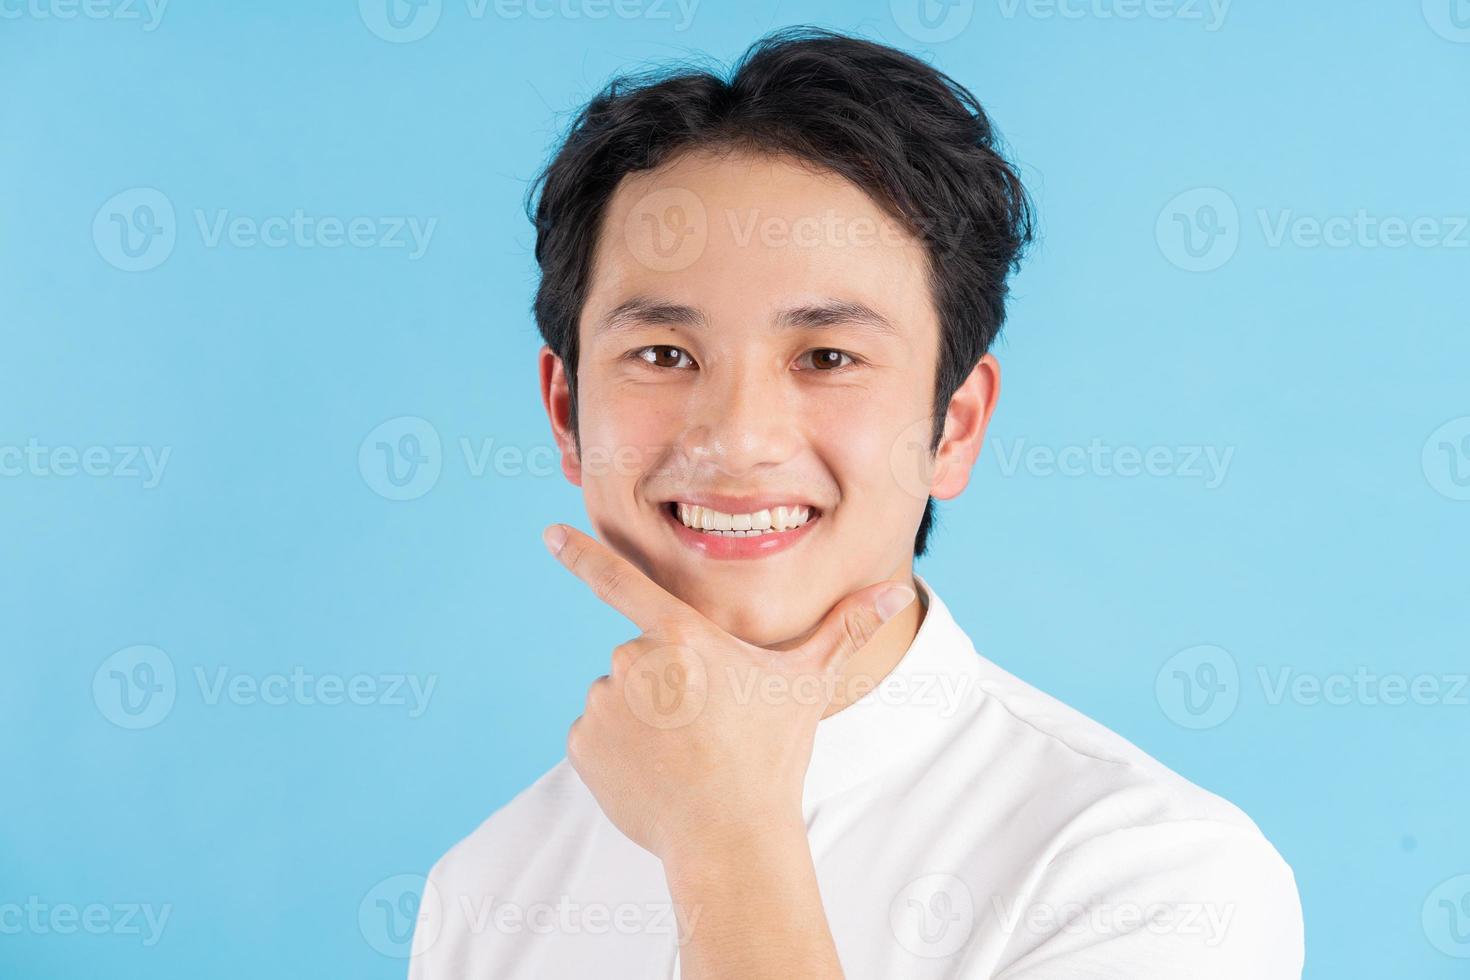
722,546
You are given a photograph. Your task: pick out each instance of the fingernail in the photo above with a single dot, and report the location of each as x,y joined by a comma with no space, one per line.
555,536
892,601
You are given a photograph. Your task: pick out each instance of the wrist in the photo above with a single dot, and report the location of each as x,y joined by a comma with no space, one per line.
733,850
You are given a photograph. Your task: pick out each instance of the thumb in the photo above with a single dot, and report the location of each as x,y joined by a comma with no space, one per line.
854,622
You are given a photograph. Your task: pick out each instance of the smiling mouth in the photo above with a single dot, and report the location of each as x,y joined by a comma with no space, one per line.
768,521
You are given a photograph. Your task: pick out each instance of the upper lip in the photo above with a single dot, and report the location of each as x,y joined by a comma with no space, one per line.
743,504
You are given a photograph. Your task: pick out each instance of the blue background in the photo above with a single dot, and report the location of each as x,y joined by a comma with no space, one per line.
1336,539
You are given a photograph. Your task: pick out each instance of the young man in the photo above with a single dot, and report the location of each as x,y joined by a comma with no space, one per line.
767,304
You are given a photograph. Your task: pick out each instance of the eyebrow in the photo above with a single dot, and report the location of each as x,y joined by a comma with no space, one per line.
644,312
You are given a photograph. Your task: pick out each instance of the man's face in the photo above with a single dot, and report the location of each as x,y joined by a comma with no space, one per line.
756,335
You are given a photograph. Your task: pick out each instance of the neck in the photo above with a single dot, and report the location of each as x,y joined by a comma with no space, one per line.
867,668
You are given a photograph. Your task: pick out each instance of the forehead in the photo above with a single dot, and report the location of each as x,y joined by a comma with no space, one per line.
742,236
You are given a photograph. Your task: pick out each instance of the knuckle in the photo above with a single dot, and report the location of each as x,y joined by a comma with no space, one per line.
623,657
856,632
677,631
608,582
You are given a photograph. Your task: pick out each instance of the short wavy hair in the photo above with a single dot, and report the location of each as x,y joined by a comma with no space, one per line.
917,142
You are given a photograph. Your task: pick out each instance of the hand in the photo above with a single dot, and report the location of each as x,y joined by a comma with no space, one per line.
697,739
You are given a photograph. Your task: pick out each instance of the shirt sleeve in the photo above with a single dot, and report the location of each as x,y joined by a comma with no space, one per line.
1192,898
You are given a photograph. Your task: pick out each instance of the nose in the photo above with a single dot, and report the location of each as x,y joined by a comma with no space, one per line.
740,422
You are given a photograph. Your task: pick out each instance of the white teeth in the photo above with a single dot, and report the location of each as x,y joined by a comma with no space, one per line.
709,520
785,518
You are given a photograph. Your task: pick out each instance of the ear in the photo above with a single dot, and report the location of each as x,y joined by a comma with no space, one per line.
556,396
964,429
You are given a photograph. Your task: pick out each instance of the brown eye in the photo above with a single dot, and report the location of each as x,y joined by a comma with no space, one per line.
663,355
827,359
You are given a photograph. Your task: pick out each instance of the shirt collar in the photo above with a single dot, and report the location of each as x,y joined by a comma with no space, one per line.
917,700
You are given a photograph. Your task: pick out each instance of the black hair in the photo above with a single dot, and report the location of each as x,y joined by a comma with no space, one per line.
915,140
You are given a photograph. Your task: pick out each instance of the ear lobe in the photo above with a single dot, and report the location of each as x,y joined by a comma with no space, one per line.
571,467
965,423
556,398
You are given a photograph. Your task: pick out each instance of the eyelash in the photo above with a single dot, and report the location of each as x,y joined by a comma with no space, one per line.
852,359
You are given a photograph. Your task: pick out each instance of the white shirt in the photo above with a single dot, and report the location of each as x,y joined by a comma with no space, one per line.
962,824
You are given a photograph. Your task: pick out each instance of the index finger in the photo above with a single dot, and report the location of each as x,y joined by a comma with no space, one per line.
615,580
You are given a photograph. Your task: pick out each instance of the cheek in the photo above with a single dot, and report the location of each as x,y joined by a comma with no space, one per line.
856,445
624,436
877,448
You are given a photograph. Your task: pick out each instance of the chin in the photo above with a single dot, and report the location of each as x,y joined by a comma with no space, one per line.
766,628
746,601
